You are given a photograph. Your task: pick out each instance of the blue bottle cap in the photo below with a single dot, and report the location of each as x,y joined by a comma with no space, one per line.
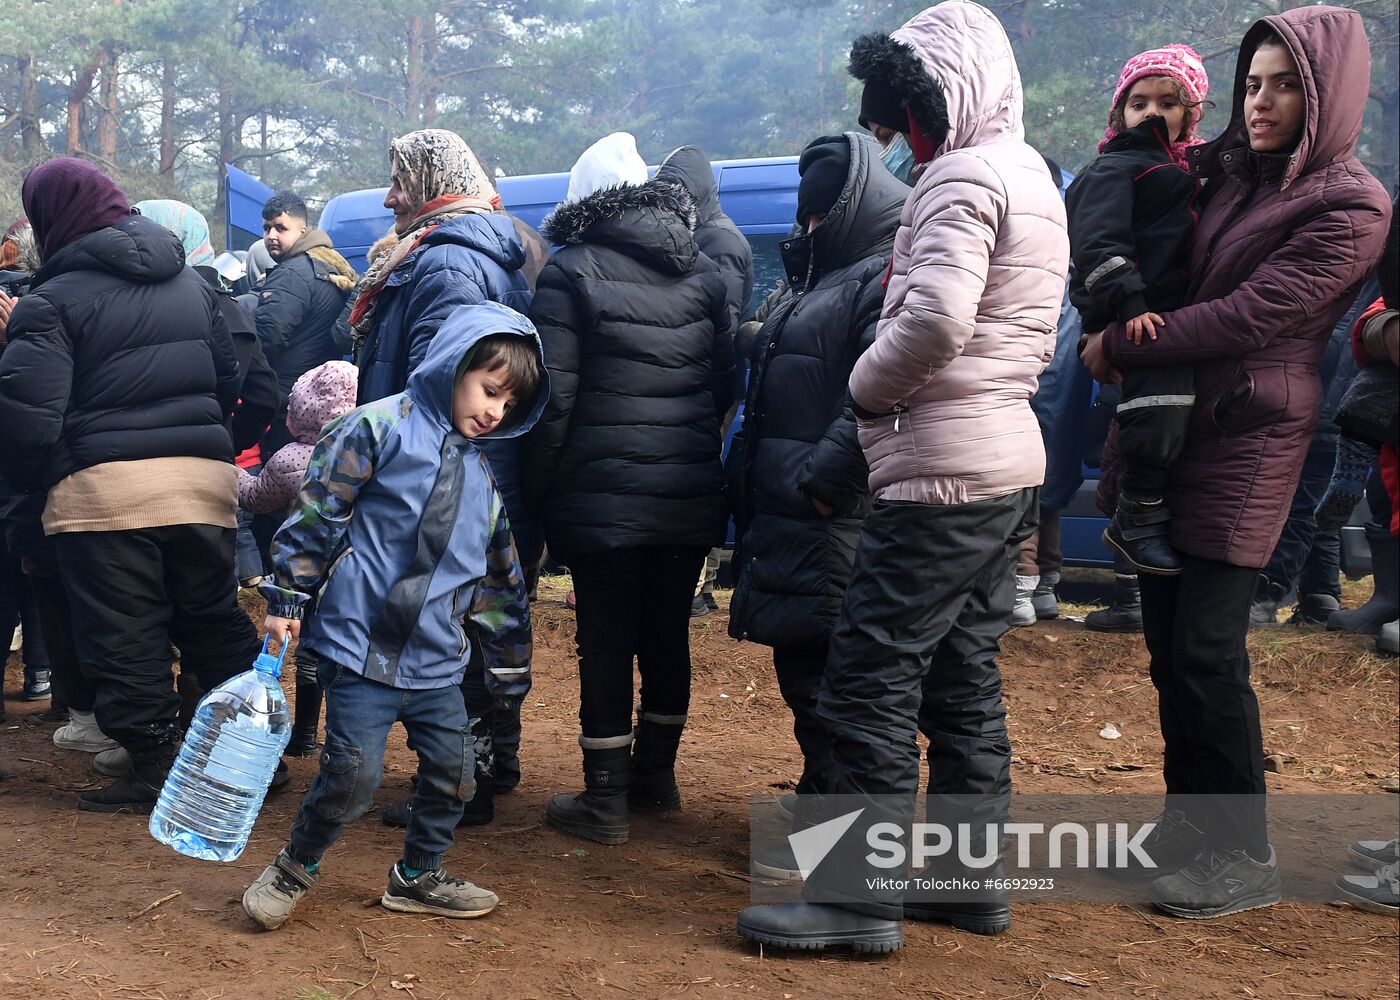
267,663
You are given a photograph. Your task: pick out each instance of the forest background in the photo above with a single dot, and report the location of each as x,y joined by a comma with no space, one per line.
305,93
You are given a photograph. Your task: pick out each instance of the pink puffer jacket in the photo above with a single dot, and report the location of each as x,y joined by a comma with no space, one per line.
975,286
318,397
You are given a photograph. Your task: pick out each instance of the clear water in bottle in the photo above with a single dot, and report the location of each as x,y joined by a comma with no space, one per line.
217,785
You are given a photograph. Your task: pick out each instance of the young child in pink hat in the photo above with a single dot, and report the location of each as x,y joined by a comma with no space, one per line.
1131,219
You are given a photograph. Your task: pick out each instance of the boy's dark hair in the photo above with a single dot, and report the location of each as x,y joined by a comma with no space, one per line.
285,203
1115,115
514,353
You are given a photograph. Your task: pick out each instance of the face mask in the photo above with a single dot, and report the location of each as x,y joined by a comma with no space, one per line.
898,157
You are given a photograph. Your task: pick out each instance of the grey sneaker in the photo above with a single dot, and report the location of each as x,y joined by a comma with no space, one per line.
1378,893
1218,883
274,894
438,893
1373,854
1023,610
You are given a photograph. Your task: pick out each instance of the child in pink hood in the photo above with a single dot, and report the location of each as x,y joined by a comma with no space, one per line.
318,397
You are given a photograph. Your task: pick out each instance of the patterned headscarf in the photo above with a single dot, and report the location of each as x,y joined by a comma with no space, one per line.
440,174
433,163
1181,63
185,222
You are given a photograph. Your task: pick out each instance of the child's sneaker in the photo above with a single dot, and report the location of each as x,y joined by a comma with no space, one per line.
1378,893
438,893
272,897
1218,883
1373,854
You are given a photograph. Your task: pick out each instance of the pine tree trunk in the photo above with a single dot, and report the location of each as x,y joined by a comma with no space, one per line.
167,118
77,98
413,73
111,108
31,139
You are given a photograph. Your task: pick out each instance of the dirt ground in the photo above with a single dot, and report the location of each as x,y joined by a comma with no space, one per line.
94,908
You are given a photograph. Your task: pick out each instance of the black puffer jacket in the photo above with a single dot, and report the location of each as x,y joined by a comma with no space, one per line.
715,233
1132,214
118,353
259,395
636,338
799,435
299,302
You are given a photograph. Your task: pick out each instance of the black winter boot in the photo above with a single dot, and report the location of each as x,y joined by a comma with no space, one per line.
1268,598
137,790
306,718
653,787
1381,608
1125,613
1138,532
599,813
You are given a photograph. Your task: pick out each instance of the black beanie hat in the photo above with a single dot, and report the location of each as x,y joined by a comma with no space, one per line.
880,105
823,168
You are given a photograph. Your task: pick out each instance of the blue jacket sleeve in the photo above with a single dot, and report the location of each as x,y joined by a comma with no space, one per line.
449,281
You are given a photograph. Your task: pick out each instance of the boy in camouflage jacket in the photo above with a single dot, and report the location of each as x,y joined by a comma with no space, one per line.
399,539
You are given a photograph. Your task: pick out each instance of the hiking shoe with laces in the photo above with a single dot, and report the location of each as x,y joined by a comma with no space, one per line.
1378,893
1172,844
1218,883
1373,854
438,893
271,898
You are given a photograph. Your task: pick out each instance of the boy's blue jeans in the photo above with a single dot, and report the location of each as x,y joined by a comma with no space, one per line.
359,714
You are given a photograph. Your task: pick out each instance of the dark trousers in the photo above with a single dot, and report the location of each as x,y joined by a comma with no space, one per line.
134,593
1195,627
359,715
633,603
1152,419
915,651
1303,558
1041,554
18,606
71,685
497,728
800,671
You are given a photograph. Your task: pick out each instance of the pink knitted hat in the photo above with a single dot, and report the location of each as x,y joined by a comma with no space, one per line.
1179,62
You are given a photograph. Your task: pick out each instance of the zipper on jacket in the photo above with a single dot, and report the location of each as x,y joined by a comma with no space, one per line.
900,409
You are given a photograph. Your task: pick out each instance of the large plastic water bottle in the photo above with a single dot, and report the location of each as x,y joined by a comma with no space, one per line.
216,787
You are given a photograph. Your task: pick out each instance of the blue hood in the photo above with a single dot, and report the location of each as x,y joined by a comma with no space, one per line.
433,382
492,235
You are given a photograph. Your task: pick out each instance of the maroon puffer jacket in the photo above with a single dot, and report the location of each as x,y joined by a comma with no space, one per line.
1281,250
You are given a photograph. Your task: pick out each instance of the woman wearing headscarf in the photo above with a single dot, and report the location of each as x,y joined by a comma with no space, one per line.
113,392
451,246
1293,225
624,465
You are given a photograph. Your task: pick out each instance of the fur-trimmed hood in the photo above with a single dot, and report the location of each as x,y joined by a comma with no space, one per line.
652,222
954,64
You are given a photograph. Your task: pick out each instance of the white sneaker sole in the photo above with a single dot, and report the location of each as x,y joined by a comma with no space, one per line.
402,904
84,746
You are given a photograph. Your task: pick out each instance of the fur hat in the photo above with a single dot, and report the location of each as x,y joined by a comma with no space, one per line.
894,68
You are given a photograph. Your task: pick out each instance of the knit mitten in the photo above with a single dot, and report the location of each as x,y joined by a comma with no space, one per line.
1348,485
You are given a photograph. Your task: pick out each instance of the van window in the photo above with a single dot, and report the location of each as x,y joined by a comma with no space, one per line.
767,269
